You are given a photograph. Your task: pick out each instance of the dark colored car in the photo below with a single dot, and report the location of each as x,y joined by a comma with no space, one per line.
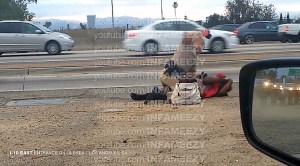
226,27
251,32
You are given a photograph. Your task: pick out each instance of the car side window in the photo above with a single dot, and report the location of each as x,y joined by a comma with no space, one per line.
228,28
271,26
9,27
185,26
218,27
28,28
233,27
165,26
257,26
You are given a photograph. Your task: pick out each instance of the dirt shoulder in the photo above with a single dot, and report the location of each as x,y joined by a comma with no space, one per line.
110,129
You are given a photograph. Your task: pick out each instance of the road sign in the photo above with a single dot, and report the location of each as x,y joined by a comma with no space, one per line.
294,72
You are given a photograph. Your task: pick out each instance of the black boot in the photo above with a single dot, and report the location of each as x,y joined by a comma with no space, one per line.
135,96
155,96
148,96
139,97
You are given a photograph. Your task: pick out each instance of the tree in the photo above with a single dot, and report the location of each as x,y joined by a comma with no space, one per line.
261,74
82,26
281,19
48,24
268,13
216,19
200,22
23,5
9,10
238,11
272,75
15,10
288,20
241,11
68,26
175,6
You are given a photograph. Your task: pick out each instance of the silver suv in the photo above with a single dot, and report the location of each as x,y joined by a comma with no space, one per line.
24,36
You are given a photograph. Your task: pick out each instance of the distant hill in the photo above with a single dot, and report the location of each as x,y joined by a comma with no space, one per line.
58,24
100,22
123,21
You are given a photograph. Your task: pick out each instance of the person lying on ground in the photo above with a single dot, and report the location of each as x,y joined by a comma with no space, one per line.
217,86
183,65
183,61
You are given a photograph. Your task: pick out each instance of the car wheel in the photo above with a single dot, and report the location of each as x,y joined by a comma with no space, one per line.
283,41
150,48
217,46
249,39
1,53
242,42
53,48
296,39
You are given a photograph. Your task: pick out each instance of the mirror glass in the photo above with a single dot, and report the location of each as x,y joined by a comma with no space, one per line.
38,32
276,108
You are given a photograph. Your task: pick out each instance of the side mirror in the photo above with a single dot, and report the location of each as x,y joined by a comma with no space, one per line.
39,32
269,105
208,36
206,33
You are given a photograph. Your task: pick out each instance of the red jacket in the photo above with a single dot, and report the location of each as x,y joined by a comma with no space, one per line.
213,90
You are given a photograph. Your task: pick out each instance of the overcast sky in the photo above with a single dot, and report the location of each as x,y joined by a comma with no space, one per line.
194,9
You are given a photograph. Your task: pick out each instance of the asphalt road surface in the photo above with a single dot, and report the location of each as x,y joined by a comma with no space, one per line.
115,54
87,81
76,77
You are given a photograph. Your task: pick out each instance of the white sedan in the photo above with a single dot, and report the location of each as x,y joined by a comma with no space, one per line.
166,35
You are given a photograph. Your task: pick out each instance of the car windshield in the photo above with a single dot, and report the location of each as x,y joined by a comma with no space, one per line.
42,27
216,27
128,82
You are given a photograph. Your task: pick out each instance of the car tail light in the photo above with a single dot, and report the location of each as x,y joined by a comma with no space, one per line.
236,31
286,28
132,35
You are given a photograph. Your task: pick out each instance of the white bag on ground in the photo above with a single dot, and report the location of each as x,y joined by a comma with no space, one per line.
186,94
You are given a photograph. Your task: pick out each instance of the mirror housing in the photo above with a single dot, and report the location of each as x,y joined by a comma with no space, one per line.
246,88
207,33
39,32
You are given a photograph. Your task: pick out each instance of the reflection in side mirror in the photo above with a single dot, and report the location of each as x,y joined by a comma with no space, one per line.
270,107
276,109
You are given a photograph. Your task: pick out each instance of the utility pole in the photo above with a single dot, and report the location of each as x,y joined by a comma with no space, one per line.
253,17
161,8
112,13
175,5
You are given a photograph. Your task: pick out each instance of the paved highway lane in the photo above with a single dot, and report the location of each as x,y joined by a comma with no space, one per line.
93,76
115,54
85,81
